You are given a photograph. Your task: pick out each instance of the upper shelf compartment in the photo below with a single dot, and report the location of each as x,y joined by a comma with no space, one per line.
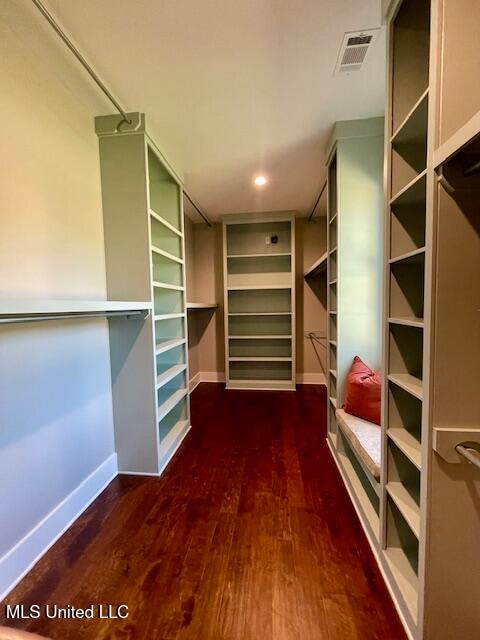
164,192
258,239
411,42
461,172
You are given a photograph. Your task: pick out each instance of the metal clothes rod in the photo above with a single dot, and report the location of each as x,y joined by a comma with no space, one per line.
197,208
310,217
69,316
472,455
58,30
48,16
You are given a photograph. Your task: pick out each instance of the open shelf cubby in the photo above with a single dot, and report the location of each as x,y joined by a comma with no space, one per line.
164,192
401,555
405,350
250,238
166,301
258,348
165,238
403,486
259,256
166,270
407,288
405,423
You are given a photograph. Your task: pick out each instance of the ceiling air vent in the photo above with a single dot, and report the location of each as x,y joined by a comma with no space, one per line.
354,49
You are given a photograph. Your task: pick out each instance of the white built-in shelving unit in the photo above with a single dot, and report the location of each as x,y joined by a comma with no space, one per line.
259,277
144,248
354,295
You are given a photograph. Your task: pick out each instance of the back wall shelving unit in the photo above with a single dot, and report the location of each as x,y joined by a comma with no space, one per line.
259,280
144,250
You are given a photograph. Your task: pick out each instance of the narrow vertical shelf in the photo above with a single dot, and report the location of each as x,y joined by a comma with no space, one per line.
259,259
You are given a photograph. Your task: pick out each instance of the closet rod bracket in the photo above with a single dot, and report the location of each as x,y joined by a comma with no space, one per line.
457,446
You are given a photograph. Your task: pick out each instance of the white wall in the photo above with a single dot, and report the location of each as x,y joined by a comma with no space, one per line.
56,423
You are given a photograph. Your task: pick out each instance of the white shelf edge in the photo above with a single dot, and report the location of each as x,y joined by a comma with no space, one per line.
408,383
171,403
408,445
266,337
409,115
168,344
260,313
192,306
318,266
258,359
166,285
406,256
408,186
259,255
168,316
169,374
407,321
260,287
41,307
165,223
457,141
165,254
406,505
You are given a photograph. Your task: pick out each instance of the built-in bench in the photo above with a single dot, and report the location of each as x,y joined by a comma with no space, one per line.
364,438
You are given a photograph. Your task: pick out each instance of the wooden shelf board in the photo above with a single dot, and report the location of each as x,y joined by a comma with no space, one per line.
457,141
172,402
168,443
333,372
169,374
319,266
333,343
258,255
25,307
405,578
333,313
333,401
332,250
414,126
407,321
165,254
260,313
333,283
165,223
166,345
166,285
333,218
406,505
407,444
262,385
199,306
266,337
408,383
259,359
168,316
413,193
411,256
259,287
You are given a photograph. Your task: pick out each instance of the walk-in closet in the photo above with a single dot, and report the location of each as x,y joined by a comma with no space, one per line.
240,320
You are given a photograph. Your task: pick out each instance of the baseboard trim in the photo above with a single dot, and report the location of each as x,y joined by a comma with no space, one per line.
21,558
311,378
194,382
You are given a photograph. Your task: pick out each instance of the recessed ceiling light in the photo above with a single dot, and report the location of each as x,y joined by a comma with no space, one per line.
260,181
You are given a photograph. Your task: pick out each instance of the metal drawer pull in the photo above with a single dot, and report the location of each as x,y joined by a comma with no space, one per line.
468,452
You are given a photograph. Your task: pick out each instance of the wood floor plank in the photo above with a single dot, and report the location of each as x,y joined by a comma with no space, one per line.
248,534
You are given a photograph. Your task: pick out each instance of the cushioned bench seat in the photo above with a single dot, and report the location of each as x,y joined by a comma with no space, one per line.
364,438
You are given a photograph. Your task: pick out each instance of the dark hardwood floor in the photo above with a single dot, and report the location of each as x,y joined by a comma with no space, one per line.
248,535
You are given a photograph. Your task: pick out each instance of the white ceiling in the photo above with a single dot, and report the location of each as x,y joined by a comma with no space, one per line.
232,88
